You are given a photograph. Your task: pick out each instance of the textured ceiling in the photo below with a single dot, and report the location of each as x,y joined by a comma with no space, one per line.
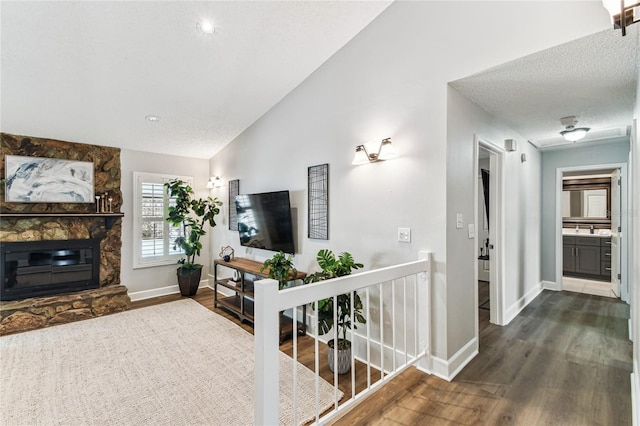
593,78
90,71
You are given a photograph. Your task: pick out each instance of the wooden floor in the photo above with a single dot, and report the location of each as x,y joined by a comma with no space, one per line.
565,360
306,345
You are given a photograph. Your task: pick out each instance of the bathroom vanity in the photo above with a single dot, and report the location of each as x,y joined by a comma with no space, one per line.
587,256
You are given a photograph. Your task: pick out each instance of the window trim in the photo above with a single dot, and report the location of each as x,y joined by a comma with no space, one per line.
138,261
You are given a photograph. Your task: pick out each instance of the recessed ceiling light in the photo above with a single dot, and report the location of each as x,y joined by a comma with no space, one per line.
206,27
152,118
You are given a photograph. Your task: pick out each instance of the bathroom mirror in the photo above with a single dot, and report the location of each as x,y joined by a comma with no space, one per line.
586,202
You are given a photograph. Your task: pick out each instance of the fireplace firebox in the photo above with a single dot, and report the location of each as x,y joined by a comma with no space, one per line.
43,268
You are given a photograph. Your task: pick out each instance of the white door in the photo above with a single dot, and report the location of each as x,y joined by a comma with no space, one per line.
615,231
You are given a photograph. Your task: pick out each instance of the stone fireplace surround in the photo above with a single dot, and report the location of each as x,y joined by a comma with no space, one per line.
32,313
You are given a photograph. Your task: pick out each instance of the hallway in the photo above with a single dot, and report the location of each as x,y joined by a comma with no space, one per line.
566,359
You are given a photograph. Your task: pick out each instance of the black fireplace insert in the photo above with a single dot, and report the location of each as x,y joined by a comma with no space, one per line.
43,268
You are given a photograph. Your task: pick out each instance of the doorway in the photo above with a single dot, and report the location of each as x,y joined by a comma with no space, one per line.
591,245
482,238
489,213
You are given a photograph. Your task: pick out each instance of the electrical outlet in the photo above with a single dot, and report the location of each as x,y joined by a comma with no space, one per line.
404,235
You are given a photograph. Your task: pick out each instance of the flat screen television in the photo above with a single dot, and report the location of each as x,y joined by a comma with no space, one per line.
264,221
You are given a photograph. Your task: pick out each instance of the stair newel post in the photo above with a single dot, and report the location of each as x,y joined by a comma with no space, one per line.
266,349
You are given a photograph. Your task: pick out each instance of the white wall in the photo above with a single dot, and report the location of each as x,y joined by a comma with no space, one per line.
391,81
521,218
634,255
155,280
552,160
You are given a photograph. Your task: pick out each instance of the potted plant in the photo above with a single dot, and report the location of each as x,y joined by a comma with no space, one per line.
333,267
192,214
281,268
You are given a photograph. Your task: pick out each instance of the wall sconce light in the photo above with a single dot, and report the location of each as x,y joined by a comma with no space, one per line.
511,145
622,13
385,152
214,182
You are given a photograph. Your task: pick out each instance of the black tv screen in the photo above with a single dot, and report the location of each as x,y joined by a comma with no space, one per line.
264,221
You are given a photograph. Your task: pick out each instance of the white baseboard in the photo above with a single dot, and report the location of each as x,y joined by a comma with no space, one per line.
635,393
161,291
448,369
513,310
154,292
552,285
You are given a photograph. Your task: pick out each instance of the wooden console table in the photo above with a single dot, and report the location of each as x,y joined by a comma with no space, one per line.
242,302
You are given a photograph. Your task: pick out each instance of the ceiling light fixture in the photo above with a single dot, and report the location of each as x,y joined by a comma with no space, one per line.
386,151
571,132
152,118
206,27
622,13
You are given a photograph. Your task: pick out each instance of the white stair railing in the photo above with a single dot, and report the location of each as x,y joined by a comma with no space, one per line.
398,334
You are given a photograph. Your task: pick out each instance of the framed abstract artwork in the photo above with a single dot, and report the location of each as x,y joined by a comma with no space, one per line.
48,180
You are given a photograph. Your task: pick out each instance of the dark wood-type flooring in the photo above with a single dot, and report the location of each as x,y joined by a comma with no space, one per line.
565,360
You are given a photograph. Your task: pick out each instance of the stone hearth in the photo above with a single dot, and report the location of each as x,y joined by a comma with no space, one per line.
29,314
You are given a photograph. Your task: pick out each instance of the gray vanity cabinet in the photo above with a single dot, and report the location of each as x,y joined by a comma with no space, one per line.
588,255
583,257
605,258
569,254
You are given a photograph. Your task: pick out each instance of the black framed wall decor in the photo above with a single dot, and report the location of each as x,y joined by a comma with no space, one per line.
234,189
318,200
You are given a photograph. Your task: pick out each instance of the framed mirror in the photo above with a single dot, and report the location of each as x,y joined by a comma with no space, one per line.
586,201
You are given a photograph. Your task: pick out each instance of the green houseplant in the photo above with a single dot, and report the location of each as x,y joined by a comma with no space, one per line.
281,268
192,214
333,267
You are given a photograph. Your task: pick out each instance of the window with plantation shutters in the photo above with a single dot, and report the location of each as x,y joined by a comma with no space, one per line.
154,236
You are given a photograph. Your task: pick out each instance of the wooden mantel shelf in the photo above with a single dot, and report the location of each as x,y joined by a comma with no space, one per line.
109,218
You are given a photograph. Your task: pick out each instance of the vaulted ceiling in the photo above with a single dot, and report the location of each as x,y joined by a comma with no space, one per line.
93,71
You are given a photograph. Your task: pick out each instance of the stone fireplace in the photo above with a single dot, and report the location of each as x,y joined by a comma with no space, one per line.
58,223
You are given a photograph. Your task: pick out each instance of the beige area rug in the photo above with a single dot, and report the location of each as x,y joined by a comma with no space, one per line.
172,364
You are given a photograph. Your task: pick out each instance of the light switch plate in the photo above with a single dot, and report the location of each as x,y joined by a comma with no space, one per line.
472,230
459,221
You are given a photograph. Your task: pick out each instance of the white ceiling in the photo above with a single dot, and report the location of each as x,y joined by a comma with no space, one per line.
91,72
593,78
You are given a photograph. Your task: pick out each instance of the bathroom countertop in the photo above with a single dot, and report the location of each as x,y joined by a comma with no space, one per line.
586,233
